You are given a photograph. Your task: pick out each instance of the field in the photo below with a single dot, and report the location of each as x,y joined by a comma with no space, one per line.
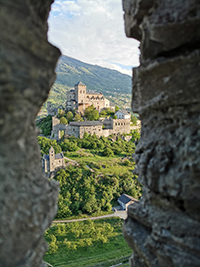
89,243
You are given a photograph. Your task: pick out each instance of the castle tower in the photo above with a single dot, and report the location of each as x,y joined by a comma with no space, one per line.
80,94
51,159
48,108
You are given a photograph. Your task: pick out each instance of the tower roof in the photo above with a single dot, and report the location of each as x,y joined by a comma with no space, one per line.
51,149
80,83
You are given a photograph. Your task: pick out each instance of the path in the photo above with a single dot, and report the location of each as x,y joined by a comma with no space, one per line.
122,214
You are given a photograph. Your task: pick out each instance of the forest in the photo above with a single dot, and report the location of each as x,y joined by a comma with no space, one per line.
103,172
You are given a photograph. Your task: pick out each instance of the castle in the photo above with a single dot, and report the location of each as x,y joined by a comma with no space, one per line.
108,126
80,99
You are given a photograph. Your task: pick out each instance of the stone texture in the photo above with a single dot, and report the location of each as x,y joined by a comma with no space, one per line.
163,229
27,198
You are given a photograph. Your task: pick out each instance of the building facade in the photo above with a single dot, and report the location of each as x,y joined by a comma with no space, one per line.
123,114
52,161
80,99
125,200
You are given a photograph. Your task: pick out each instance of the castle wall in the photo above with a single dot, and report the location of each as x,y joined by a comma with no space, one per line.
121,126
91,130
28,200
72,130
163,228
111,127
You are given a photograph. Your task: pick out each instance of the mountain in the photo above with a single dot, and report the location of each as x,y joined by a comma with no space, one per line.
70,71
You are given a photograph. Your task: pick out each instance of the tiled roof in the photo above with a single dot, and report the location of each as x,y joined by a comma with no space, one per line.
126,199
59,156
46,157
124,111
80,83
91,92
85,123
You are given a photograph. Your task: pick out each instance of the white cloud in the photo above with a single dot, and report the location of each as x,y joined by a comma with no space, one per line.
93,31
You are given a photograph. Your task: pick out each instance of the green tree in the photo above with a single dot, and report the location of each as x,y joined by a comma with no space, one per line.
116,108
108,152
91,113
69,116
45,125
52,245
63,120
78,117
133,120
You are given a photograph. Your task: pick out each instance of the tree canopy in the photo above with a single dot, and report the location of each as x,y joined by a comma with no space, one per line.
91,113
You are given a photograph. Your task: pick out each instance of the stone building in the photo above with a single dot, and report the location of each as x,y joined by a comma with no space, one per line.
77,129
80,99
123,114
52,161
53,111
126,200
57,128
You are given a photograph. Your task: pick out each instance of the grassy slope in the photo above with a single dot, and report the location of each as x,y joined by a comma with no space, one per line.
114,251
101,164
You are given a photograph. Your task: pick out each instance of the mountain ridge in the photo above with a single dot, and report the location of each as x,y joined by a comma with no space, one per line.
70,70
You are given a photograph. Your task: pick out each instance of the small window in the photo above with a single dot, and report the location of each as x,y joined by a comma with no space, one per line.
80,91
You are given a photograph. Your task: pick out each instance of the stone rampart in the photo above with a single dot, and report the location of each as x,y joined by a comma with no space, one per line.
27,198
163,229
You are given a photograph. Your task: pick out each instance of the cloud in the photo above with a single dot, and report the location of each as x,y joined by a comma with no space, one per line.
93,31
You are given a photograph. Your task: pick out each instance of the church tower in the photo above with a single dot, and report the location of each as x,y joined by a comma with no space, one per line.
80,94
51,159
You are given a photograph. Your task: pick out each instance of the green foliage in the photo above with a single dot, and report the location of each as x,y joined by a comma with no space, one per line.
52,245
115,117
61,113
45,125
63,120
78,117
69,116
116,108
46,143
91,113
108,152
100,177
133,120
68,145
94,242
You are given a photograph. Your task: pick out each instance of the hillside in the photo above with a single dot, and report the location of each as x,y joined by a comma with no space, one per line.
70,71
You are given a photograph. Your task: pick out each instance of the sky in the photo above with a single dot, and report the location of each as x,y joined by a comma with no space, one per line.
93,31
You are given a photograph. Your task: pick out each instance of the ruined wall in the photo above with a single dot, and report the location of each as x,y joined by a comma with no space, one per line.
27,198
163,229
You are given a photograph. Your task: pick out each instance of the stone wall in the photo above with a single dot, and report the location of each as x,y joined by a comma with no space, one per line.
27,198
163,229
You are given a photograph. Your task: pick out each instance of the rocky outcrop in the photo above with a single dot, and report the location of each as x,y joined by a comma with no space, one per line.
163,229
27,198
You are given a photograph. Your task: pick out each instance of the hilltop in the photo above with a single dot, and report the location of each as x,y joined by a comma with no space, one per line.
109,82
